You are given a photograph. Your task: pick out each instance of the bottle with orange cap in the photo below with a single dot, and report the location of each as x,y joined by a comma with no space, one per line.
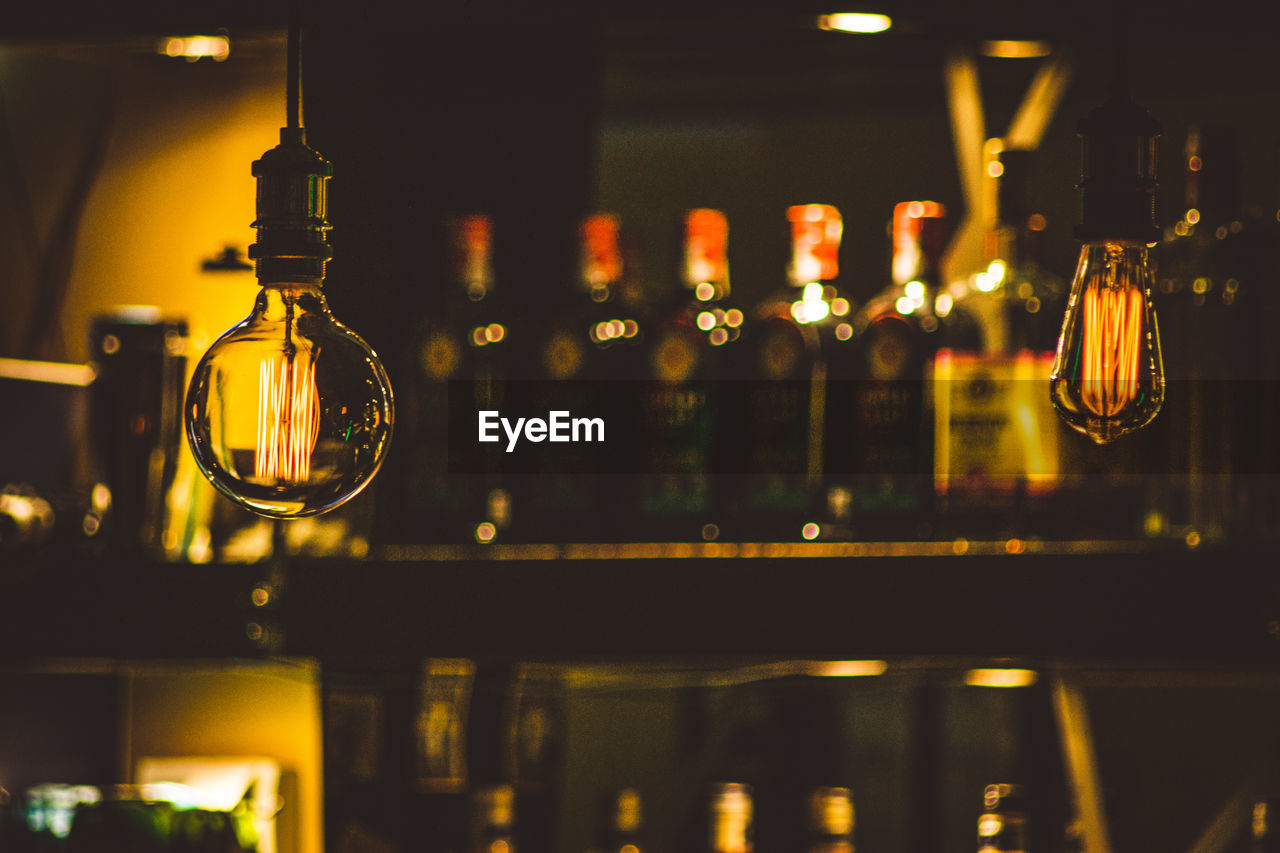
580,355
688,334
777,403
461,347
879,449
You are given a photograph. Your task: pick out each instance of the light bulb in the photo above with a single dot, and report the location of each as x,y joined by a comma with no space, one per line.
289,413
1108,376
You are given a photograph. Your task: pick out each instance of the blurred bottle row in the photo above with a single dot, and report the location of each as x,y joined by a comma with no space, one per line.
452,761
921,412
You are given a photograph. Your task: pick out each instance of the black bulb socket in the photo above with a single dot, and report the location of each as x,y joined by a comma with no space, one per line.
292,243
1118,173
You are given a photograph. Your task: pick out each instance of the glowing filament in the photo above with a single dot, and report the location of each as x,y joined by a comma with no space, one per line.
288,420
1112,344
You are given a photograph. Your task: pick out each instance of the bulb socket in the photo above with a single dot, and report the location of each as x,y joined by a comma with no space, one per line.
1118,173
292,244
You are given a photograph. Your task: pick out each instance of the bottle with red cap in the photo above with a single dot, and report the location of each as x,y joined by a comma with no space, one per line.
461,347
776,404
688,335
879,446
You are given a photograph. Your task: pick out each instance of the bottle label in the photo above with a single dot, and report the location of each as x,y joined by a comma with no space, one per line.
994,427
440,355
563,356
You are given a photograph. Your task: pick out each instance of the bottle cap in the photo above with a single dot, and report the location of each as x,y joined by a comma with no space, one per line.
816,230
706,250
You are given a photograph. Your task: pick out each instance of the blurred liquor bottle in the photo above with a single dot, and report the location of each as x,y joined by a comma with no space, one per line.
135,424
460,366
997,449
689,331
883,456
441,763
1265,825
493,819
620,823
589,336
776,400
533,752
1210,277
732,816
1003,824
830,819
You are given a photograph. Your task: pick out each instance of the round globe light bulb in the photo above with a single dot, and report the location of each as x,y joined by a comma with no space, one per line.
289,413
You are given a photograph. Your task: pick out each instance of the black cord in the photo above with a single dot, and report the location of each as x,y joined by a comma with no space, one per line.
1120,60
293,90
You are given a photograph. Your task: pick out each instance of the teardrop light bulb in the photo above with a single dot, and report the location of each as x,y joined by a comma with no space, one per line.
1108,376
289,413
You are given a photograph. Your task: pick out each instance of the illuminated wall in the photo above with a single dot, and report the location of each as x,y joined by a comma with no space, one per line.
171,186
252,709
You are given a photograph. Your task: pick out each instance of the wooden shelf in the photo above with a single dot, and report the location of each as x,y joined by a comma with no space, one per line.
1091,602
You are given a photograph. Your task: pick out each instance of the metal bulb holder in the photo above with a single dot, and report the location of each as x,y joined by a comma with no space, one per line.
290,413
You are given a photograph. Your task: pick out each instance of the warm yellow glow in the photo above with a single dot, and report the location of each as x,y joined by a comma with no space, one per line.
485,532
997,269
47,371
706,321
718,337
840,306
1192,216
844,331
733,318
995,168
1016,49
811,531
1195,164
1113,320
288,420
192,48
630,328
905,305
1001,677
494,332
849,668
914,290
704,291
943,304
855,22
478,337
